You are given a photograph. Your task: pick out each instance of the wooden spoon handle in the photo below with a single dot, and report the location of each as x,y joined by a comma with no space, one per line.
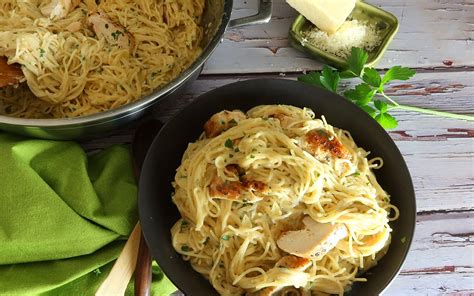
117,281
143,270
144,136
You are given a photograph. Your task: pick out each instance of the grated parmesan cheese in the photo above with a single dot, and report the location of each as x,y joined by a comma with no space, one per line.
352,33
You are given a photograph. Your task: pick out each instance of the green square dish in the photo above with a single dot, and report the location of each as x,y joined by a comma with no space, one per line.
385,22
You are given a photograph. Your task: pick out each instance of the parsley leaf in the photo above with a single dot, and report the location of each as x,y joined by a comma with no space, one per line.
398,73
116,34
311,78
361,95
184,248
371,111
347,74
372,77
381,106
373,85
357,60
386,120
229,144
330,78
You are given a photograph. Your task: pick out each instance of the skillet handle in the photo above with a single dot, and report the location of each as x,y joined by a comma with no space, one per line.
263,16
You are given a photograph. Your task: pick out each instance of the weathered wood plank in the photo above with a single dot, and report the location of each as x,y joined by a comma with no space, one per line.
441,257
449,284
439,152
431,34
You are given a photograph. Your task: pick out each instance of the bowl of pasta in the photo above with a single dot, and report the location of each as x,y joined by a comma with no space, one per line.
276,187
75,68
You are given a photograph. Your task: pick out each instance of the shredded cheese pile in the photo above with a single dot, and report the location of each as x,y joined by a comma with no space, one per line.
352,33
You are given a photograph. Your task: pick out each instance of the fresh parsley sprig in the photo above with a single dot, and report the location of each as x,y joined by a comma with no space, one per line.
370,94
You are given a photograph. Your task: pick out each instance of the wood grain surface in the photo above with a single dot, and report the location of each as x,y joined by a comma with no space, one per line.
432,34
435,37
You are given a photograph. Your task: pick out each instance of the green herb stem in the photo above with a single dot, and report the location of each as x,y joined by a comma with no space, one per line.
389,99
394,105
434,112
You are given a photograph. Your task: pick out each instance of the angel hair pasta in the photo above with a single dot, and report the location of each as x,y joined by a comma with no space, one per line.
83,57
276,201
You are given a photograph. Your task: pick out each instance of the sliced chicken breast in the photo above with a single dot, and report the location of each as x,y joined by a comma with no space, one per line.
114,34
294,262
58,9
315,240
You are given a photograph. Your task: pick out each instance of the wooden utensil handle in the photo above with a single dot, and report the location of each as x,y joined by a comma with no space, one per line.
143,270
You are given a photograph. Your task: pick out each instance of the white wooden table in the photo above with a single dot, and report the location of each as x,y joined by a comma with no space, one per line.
435,38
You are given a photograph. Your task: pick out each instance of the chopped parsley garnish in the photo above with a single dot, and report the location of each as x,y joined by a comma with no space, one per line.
231,155
355,174
116,34
42,52
229,144
225,237
206,241
233,122
252,156
237,149
106,26
184,248
222,122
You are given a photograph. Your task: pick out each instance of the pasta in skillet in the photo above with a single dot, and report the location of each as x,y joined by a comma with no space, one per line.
80,57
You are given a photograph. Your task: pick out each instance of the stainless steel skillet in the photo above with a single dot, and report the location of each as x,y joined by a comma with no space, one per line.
216,19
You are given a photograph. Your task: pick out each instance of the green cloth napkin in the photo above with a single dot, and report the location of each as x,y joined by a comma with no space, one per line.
64,217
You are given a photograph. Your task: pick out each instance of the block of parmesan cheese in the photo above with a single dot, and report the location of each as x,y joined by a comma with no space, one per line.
327,15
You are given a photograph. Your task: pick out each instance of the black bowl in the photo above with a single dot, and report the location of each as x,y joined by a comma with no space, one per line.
158,213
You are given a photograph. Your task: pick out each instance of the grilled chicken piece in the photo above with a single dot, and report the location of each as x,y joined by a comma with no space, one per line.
113,33
233,190
322,144
222,121
74,27
315,240
294,262
9,74
225,189
285,120
58,9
